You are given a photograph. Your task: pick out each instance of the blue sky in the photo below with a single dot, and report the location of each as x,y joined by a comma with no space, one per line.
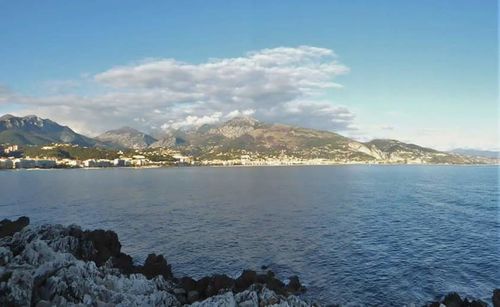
419,71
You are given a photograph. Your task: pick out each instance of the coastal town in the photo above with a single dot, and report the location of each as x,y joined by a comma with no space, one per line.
16,157
67,156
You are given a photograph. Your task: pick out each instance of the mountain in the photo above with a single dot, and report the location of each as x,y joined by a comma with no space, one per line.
170,138
33,130
491,154
237,138
245,136
126,137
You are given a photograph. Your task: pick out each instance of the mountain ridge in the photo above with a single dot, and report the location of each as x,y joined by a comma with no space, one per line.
34,130
233,139
126,137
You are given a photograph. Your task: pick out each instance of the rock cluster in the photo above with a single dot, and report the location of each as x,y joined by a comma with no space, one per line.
454,300
191,290
65,266
53,265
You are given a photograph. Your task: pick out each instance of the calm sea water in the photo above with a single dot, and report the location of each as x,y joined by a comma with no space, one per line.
354,234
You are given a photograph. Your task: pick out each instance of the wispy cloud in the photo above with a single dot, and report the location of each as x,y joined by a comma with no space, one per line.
280,84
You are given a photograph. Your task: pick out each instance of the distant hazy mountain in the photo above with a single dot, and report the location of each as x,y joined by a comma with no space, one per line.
126,137
477,153
33,130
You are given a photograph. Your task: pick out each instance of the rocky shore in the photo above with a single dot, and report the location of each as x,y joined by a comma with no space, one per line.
54,265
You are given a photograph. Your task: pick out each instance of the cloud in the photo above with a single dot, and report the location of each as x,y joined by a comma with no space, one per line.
193,120
237,113
283,84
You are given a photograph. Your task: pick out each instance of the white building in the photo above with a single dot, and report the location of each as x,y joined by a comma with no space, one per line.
68,163
182,159
11,148
97,163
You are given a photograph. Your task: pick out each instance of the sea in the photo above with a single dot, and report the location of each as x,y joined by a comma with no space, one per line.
356,235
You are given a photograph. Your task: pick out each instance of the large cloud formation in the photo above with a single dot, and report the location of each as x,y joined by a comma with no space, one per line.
288,85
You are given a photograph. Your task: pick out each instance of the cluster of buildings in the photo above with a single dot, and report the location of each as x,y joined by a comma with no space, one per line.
44,163
9,149
10,163
27,163
135,161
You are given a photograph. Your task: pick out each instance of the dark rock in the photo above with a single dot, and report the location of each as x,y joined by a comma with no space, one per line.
104,249
193,296
246,279
202,285
261,278
276,285
477,303
180,294
8,227
219,282
105,243
124,263
5,277
294,285
155,265
496,298
452,300
187,283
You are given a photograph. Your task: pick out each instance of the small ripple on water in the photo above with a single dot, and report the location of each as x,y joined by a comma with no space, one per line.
355,235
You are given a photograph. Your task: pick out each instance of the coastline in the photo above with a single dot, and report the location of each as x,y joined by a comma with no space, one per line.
64,265
256,166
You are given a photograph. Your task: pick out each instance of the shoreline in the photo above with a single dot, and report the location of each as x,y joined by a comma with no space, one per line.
252,166
64,265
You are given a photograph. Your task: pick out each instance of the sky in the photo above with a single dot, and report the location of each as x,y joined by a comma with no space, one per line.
424,72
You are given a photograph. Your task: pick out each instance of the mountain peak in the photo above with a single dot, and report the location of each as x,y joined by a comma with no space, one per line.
235,127
242,120
30,116
125,129
34,130
126,137
7,117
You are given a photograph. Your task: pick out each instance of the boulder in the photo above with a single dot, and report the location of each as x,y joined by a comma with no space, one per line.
105,243
276,285
452,300
246,279
155,265
8,227
202,285
476,303
294,286
187,283
217,283
124,263
496,298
